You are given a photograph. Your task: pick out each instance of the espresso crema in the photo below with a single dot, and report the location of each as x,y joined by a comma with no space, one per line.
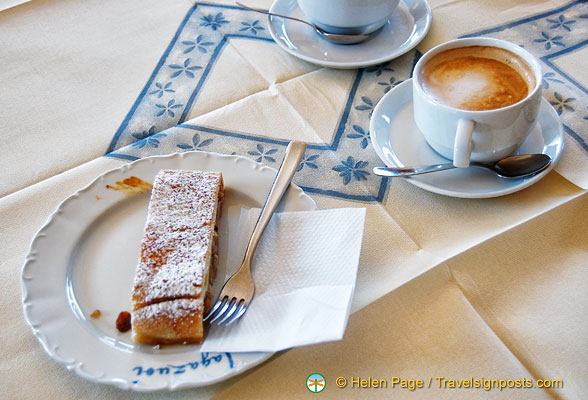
477,78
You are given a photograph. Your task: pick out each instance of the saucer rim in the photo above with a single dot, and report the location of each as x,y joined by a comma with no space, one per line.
404,89
357,64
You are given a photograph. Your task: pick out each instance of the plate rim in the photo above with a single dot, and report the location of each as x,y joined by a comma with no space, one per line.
33,257
368,63
405,86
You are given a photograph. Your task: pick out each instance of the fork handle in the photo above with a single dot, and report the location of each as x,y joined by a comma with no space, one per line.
294,153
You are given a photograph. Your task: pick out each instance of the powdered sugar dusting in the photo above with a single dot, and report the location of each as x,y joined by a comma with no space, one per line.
176,246
173,310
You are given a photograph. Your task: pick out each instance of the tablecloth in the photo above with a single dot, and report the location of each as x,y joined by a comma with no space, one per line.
447,288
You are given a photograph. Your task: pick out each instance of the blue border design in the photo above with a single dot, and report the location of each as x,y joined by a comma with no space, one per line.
213,59
547,60
346,158
157,122
523,21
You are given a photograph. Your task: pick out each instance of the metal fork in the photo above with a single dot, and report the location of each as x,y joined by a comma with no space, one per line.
238,291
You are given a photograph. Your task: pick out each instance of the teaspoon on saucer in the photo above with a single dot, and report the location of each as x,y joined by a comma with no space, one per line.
518,166
331,37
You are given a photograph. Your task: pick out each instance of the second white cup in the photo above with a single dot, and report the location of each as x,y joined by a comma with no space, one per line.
348,16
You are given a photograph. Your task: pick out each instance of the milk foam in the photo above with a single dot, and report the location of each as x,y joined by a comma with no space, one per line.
477,78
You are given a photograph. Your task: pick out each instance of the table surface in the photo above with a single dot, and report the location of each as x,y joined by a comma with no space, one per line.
447,289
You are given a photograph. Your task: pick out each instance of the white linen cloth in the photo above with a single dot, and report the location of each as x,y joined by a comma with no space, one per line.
437,291
304,272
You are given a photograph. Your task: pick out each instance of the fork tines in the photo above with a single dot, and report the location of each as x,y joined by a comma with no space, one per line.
227,308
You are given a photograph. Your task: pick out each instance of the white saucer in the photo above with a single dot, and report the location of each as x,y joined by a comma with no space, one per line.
407,26
398,142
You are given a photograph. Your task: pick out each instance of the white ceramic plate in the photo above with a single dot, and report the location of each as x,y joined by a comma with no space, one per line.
84,259
398,143
407,26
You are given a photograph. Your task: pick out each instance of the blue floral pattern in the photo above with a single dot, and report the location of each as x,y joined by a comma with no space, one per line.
560,104
352,169
550,41
308,161
262,155
361,134
148,138
200,43
185,68
390,84
379,69
561,22
214,21
366,105
167,108
197,144
160,89
252,27
158,122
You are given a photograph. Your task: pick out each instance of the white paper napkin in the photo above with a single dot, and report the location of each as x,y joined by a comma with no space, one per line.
304,271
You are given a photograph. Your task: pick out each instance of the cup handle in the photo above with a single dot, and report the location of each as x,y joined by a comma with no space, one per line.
462,147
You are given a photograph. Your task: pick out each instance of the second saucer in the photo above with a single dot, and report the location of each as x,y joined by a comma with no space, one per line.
407,26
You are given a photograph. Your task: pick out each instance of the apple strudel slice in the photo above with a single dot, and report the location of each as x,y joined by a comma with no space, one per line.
179,251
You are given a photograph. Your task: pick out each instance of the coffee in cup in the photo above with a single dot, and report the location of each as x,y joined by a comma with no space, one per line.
476,99
477,78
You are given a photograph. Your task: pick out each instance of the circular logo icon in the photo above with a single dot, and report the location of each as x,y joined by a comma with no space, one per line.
316,383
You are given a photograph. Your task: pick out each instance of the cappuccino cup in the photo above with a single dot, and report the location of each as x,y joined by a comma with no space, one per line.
476,99
348,16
